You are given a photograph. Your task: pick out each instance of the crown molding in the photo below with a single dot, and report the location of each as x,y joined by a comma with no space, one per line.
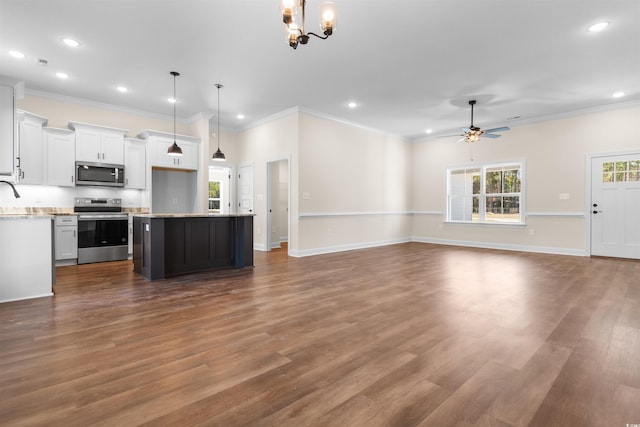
95,104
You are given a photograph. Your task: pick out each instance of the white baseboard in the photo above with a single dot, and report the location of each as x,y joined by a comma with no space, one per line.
342,248
504,246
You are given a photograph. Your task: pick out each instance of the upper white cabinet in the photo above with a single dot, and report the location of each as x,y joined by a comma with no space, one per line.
159,143
7,129
30,148
135,162
98,144
60,153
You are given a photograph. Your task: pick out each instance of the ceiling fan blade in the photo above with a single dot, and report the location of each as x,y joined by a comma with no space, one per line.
447,136
491,135
502,129
461,139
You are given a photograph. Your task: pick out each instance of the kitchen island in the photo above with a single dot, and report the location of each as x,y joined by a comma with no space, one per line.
166,245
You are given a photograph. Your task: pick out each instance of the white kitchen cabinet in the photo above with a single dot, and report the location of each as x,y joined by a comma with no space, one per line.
7,130
60,153
66,231
98,144
159,143
29,157
135,163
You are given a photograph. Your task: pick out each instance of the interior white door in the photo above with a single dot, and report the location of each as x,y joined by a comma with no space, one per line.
245,189
615,206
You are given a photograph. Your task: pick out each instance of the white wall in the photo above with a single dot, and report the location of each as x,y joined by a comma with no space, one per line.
354,186
274,140
555,156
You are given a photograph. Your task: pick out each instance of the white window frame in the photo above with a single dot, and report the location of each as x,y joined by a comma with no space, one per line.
483,195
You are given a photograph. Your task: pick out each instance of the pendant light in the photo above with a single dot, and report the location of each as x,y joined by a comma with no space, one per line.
218,156
174,150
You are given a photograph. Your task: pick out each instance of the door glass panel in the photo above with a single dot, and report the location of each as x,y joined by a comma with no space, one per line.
634,165
607,167
621,166
621,176
634,176
607,177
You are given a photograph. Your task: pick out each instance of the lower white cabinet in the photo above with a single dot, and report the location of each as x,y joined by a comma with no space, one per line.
61,154
66,230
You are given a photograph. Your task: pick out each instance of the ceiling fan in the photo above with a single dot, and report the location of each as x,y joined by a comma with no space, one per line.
473,133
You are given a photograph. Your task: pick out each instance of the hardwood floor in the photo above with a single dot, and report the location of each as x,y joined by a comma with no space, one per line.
404,335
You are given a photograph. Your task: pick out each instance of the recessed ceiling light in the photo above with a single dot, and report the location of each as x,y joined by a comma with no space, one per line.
16,54
429,131
618,94
122,89
598,26
62,75
352,105
70,42
240,116
171,100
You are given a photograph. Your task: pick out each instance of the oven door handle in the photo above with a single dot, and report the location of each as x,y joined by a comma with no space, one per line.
102,217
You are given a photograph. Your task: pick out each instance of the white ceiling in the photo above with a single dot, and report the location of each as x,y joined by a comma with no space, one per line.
410,65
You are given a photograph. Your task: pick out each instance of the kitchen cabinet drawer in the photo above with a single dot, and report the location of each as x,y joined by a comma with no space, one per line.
66,232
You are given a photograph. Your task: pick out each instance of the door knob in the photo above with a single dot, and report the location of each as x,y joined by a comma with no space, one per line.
595,212
595,205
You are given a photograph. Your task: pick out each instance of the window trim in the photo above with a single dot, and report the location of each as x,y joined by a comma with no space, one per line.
483,166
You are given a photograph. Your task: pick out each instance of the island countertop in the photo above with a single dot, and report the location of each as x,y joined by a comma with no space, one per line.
191,215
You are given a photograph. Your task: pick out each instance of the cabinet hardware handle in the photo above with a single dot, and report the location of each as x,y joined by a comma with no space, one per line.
98,156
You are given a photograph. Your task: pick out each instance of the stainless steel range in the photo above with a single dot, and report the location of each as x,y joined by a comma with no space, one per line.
102,230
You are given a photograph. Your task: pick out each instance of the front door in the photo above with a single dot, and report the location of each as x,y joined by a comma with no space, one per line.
245,189
615,206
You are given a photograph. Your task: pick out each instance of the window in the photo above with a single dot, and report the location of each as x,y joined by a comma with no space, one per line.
485,194
214,196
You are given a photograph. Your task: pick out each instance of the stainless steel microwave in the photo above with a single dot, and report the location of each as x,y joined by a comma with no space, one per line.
99,174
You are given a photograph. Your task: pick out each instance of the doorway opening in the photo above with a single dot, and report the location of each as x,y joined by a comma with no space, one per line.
219,190
278,205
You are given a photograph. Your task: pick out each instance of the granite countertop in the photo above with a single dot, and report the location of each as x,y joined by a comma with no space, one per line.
26,216
192,215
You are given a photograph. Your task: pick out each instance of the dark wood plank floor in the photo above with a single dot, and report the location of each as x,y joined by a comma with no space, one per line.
404,335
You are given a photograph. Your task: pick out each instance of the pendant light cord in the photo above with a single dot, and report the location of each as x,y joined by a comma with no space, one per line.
175,101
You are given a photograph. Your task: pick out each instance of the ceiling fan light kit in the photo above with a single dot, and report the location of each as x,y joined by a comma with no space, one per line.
296,34
473,133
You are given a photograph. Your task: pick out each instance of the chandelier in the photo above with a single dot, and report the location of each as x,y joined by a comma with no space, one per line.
296,34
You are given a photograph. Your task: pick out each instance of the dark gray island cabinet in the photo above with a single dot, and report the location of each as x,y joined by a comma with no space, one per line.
170,245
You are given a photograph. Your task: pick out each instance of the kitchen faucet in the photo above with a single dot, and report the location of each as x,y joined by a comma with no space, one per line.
15,192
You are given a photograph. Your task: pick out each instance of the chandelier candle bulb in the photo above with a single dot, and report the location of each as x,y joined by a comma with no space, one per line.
328,14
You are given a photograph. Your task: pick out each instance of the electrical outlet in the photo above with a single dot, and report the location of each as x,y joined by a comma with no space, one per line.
532,232
564,196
